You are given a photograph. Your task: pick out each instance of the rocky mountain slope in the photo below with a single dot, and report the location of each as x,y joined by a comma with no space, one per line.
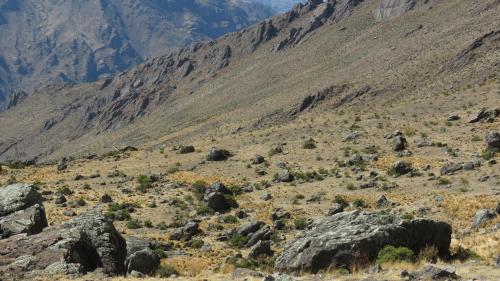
345,140
319,54
46,42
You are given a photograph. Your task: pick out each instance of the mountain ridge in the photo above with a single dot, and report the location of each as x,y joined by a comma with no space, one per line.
71,42
191,92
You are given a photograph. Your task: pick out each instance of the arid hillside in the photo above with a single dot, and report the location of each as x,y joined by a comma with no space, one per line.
344,140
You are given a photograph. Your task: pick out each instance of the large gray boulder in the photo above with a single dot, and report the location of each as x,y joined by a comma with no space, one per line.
218,197
144,261
21,210
78,246
350,238
18,197
30,221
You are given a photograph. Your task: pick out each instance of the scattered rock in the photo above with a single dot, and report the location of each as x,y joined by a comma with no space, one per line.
63,164
484,178
335,209
493,141
431,272
186,149
69,213
61,199
451,168
218,155
482,216
250,227
498,208
285,176
383,202
186,232
401,168
453,118
218,198
258,159
485,114
106,198
349,238
280,215
260,248
400,142
262,234
266,196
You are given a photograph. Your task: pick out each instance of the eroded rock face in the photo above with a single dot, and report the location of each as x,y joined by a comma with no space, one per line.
21,210
17,197
388,9
81,245
356,237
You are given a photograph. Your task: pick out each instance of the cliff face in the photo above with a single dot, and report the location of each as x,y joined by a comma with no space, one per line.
45,42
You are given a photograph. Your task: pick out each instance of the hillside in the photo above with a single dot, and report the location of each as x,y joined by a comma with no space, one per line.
50,42
260,76
343,140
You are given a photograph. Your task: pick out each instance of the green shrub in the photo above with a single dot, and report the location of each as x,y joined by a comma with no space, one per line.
196,243
300,223
236,189
81,202
166,270
204,210
444,181
64,190
199,188
391,254
144,182
359,203
160,253
230,219
487,154
238,241
134,224
309,144
341,200
148,224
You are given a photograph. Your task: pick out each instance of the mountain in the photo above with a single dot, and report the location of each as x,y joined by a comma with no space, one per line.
46,42
324,55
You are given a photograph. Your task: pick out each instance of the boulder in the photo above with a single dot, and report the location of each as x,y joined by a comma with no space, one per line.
401,168
262,234
432,272
218,155
30,221
285,176
400,142
482,216
17,197
451,168
186,149
250,227
335,209
258,159
493,141
218,198
186,232
63,164
354,238
485,114
260,248
144,261
81,245
21,211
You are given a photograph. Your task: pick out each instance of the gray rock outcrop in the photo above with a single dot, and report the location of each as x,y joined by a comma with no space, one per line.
349,238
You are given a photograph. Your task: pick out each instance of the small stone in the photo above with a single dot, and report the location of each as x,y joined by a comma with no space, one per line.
266,196
335,209
106,198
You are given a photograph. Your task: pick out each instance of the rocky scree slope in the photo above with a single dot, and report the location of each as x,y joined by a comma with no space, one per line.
45,42
319,54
